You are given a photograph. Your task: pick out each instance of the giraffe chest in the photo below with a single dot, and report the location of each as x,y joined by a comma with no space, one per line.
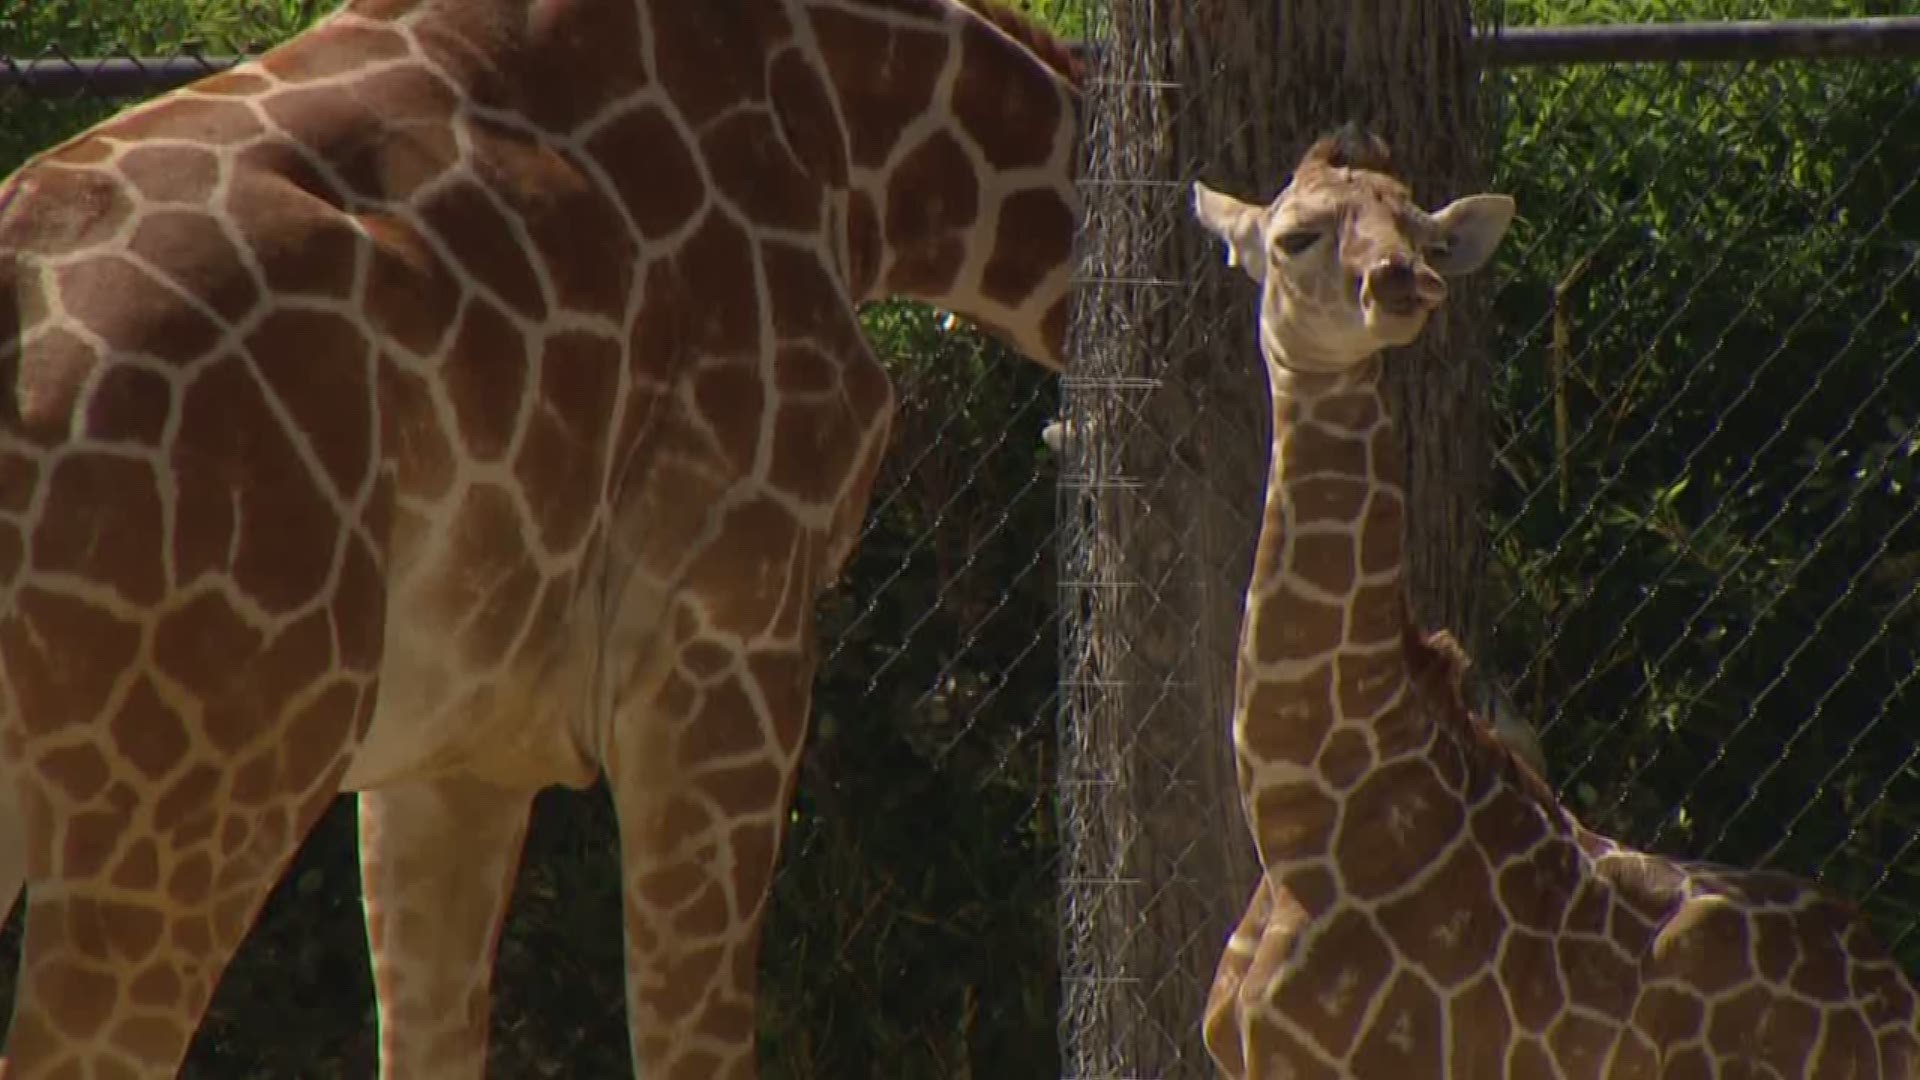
638,414
531,607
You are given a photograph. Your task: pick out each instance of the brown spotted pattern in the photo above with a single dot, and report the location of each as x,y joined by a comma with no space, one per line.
469,397
1427,908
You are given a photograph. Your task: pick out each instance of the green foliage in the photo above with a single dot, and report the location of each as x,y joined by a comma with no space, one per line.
1071,19
52,29
152,27
1703,515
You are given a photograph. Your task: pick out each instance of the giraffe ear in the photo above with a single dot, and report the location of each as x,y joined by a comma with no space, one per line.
1236,223
1471,227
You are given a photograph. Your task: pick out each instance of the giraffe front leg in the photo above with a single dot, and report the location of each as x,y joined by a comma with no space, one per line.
437,863
701,780
1221,1022
140,891
13,852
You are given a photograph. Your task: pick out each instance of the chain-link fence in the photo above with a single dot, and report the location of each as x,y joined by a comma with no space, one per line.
1703,510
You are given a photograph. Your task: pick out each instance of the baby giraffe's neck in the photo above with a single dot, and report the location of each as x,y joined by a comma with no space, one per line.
1322,670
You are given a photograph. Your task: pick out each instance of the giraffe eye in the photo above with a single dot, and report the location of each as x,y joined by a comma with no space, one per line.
1437,250
1296,241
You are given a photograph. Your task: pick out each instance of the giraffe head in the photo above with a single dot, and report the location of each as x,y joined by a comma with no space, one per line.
1348,264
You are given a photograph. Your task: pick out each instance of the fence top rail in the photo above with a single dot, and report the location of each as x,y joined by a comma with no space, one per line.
1889,37
106,77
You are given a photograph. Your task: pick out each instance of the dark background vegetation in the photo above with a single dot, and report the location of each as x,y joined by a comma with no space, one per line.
1704,560
1704,514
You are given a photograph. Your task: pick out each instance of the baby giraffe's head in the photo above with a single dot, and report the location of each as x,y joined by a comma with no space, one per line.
1348,264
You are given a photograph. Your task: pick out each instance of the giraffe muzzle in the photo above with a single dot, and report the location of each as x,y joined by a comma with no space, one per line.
1401,287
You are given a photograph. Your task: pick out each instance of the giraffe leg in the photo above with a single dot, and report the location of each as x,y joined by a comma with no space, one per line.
1267,1050
13,853
1221,1023
701,784
437,863
137,902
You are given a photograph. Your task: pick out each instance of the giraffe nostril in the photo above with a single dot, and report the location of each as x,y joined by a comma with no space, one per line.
1394,282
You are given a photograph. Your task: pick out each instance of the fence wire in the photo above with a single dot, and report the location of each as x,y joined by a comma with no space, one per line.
1159,496
1703,513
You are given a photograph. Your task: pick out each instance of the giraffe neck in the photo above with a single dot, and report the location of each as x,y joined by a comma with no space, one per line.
946,129
962,143
1359,763
1323,676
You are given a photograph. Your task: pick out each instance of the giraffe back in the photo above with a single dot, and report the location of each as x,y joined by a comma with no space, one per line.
1488,932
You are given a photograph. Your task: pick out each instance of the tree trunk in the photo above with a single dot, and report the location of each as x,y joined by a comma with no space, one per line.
1162,479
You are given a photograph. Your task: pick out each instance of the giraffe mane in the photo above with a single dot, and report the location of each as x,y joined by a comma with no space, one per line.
1440,666
1048,47
1348,147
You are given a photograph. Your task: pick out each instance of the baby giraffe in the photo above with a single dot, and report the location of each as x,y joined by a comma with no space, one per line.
1427,908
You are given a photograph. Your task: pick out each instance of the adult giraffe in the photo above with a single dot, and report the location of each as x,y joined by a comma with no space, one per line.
468,397
1426,907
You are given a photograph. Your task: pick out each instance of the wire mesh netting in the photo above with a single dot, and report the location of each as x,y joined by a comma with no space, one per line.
1157,519
1703,513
